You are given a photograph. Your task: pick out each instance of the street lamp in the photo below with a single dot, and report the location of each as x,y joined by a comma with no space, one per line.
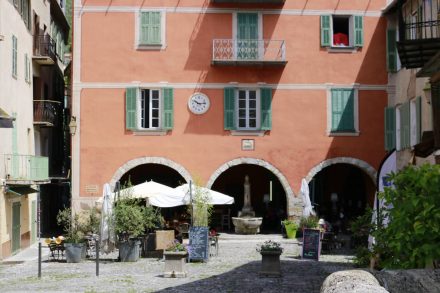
72,125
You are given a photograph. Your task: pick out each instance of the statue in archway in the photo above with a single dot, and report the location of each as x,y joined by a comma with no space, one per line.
247,207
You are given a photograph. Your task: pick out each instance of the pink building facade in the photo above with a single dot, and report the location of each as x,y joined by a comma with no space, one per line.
279,90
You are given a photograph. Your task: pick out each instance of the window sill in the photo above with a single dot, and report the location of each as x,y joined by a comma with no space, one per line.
150,132
150,47
356,133
248,132
342,49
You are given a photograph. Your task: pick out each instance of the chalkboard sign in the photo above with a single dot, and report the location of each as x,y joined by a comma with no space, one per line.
311,244
198,243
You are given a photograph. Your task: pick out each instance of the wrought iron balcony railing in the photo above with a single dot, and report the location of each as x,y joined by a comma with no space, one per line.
26,167
47,112
44,49
242,52
422,30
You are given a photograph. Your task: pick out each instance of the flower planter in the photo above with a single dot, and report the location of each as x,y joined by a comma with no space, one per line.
175,264
129,250
270,263
74,252
291,230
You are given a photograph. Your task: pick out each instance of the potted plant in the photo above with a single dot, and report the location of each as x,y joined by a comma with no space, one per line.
74,240
175,259
129,224
291,228
270,263
310,222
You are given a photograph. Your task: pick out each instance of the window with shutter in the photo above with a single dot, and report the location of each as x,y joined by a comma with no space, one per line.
229,108
150,28
342,110
405,131
391,50
266,109
131,108
168,108
415,121
149,110
390,128
342,31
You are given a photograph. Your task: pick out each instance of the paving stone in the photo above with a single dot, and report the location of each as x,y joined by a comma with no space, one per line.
235,269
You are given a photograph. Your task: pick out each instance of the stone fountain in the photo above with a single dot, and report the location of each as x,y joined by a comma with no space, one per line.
246,222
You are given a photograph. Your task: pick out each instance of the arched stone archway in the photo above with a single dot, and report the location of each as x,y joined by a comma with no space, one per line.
149,160
364,166
294,204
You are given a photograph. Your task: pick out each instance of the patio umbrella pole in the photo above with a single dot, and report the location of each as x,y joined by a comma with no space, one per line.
97,255
39,231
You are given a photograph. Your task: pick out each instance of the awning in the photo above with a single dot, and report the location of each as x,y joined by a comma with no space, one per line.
5,119
20,190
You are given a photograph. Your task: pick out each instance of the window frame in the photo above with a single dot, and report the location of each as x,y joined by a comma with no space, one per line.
137,44
140,110
257,109
356,131
351,48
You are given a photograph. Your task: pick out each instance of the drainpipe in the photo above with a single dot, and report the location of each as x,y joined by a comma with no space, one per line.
2,191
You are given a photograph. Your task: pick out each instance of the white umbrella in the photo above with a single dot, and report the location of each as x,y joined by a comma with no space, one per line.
305,193
216,198
158,195
107,235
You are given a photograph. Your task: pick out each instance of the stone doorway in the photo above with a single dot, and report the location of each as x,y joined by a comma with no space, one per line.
231,182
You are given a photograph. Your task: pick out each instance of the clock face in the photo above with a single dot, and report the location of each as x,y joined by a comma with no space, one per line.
198,103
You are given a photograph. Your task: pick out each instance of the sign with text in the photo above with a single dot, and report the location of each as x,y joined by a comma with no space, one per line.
198,243
311,244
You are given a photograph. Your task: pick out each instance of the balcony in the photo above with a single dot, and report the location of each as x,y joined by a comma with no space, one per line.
44,50
248,52
250,1
47,113
26,169
419,31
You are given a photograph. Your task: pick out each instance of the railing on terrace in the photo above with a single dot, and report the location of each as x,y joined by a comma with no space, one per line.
26,167
422,30
47,112
45,46
248,51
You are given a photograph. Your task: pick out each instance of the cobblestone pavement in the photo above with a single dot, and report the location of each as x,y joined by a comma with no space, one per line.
235,269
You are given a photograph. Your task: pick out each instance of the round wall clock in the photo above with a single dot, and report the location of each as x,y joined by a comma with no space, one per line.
198,103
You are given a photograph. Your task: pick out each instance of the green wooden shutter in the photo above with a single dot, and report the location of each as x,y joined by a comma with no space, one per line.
229,108
168,108
418,119
358,31
391,50
150,28
405,127
16,226
14,56
266,109
390,128
325,31
342,102
131,108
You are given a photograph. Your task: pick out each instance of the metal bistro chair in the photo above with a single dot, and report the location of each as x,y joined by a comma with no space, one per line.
226,221
183,230
213,245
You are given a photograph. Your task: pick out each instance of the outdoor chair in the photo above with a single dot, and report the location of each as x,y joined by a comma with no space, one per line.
56,248
183,230
213,245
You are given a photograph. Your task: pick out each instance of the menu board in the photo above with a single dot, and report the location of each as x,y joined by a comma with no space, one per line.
198,243
311,244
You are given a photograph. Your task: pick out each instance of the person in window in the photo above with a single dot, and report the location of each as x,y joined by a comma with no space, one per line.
340,39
